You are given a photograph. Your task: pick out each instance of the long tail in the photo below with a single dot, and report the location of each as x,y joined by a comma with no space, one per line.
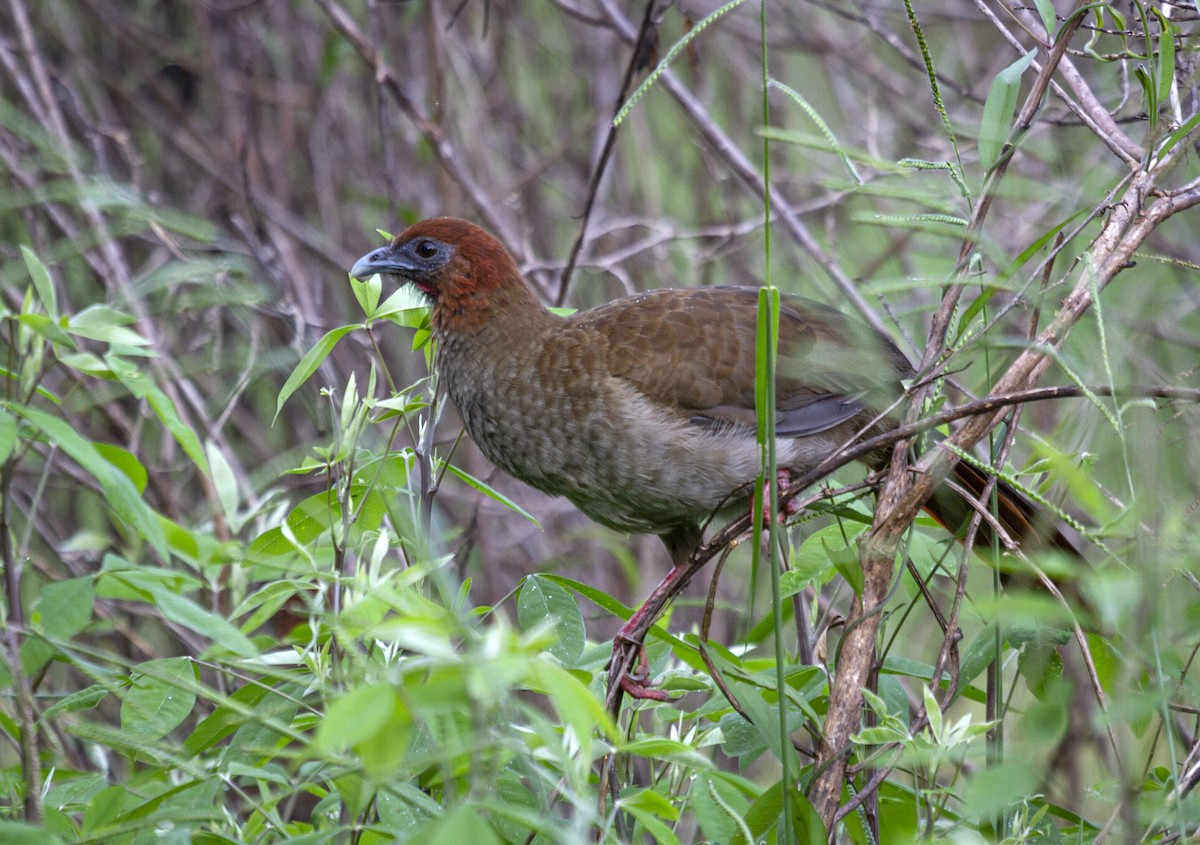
1027,523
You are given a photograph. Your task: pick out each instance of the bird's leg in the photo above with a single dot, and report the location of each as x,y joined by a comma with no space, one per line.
783,477
629,663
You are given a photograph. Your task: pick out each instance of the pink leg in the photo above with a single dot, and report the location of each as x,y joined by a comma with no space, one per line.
634,680
631,672
782,478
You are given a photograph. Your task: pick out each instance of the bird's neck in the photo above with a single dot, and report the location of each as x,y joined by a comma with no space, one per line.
487,305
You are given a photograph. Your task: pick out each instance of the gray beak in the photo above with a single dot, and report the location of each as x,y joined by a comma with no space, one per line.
382,260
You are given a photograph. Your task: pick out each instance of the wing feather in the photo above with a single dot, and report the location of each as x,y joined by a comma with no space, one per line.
691,352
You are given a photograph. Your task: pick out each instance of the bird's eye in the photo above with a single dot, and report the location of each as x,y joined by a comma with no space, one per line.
425,249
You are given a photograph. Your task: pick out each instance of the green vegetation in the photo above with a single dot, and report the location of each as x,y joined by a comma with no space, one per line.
257,587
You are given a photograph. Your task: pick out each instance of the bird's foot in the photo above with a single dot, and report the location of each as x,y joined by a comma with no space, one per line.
790,508
635,679
640,690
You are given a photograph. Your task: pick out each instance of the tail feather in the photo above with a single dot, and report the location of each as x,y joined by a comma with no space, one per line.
1021,520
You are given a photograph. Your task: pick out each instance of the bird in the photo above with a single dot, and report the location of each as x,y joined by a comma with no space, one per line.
641,411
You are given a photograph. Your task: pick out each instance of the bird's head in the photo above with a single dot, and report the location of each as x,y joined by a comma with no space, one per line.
462,268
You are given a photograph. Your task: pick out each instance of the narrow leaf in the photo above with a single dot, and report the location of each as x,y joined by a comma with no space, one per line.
47,328
1164,67
8,434
999,109
488,491
224,481
144,388
309,364
42,282
183,611
108,325
119,491
1049,17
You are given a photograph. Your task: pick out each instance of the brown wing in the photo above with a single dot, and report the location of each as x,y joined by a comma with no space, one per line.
692,350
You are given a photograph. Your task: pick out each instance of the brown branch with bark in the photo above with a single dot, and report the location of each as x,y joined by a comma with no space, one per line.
1143,206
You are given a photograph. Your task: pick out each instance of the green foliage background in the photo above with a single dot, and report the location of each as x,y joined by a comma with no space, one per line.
253,594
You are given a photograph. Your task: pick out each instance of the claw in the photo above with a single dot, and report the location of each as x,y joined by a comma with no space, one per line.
790,508
636,689
635,680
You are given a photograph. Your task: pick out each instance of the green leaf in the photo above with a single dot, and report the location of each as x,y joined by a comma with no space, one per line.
996,788
575,704
84,699
542,601
637,806
461,824
142,387
265,602
224,481
999,109
1164,65
1049,17
845,561
309,364
122,580
672,750
225,719
1041,667
357,717
1179,134
183,611
367,293
105,324
65,607
42,283
765,357
35,653
313,516
488,491
86,363
16,833
126,462
161,695
811,562
47,328
119,491
104,808
1150,90
718,805
406,307
8,434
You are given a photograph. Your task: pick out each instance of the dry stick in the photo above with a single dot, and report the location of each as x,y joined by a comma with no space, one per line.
27,716
901,497
1125,231
114,266
735,530
748,173
636,59
443,150
1090,112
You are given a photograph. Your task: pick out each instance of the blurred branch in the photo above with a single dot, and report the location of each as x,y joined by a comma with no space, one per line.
446,155
1088,109
738,162
903,494
637,59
